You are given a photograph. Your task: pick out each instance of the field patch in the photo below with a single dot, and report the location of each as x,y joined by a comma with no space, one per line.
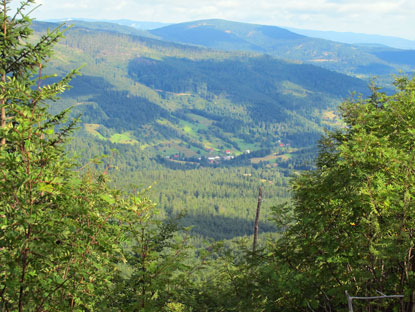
270,158
123,138
291,88
93,130
329,115
330,118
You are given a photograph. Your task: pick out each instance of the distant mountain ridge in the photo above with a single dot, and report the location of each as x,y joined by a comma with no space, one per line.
216,33
362,59
284,44
357,38
144,25
99,25
343,37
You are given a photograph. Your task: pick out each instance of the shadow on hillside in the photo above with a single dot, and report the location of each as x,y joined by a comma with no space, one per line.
221,227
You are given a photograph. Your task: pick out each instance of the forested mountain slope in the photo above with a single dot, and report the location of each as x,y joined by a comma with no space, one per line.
169,107
280,42
173,98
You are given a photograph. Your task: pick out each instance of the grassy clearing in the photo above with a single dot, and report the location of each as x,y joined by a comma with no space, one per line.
290,88
92,129
329,115
270,158
243,146
172,148
144,146
191,129
331,119
123,138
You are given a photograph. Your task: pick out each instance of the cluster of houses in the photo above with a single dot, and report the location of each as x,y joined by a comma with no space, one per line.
227,156
213,156
219,158
211,159
282,144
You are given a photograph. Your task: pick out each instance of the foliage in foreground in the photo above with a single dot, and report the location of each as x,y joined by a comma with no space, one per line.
58,228
62,230
351,223
354,228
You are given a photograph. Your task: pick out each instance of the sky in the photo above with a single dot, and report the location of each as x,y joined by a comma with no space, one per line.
382,17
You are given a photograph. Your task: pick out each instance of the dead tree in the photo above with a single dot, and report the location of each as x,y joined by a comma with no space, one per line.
258,208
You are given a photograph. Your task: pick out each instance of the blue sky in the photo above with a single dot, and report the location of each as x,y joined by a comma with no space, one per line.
383,17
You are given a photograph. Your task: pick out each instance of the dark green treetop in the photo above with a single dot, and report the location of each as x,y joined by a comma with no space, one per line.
60,229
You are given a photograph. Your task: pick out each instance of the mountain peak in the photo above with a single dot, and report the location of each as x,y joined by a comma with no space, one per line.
224,34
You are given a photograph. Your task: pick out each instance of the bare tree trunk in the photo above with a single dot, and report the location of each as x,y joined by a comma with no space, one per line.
258,208
3,78
411,304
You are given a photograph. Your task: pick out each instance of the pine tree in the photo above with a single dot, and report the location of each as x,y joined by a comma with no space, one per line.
59,228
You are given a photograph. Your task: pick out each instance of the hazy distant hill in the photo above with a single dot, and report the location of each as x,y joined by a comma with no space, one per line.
282,43
364,60
103,26
356,38
143,25
221,34
139,24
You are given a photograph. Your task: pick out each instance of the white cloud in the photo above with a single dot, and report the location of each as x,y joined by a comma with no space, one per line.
390,17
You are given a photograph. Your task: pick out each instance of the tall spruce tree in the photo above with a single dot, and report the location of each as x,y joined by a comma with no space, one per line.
59,228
